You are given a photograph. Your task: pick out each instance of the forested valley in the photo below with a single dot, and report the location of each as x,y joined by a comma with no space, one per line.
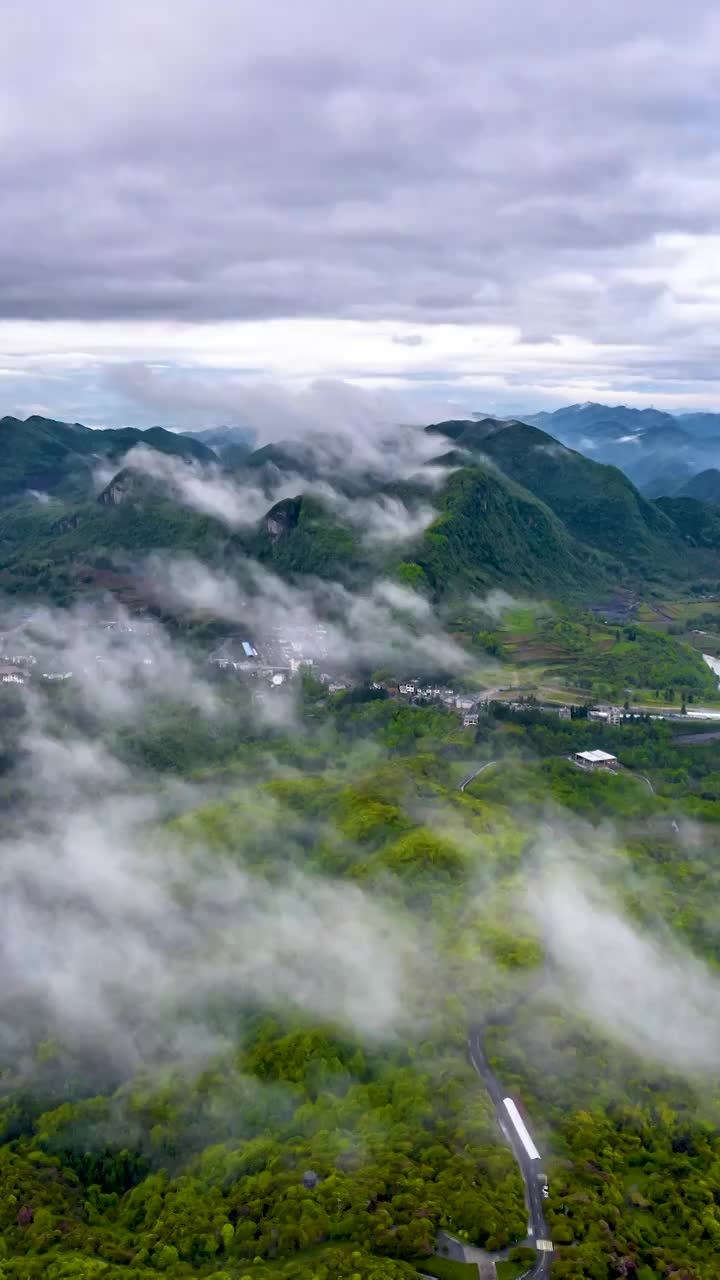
234,1030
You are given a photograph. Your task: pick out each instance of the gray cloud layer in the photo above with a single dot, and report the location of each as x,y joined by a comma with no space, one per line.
420,161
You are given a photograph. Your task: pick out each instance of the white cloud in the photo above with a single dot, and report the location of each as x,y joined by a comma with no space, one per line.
385,624
641,987
206,488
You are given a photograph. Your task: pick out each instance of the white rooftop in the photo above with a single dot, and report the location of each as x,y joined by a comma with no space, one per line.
595,757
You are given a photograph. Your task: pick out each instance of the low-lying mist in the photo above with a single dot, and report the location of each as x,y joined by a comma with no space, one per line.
637,983
129,930
121,930
241,499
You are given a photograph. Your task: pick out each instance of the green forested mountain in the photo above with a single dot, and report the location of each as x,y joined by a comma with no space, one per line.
704,486
59,457
597,504
60,550
493,532
516,509
697,521
301,536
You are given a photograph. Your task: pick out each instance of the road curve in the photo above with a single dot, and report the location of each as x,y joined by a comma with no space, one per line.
475,774
537,1226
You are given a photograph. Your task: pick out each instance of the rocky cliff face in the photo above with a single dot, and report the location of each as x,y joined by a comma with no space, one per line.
123,487
282,518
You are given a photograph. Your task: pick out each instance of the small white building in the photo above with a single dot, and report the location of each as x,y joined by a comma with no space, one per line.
465,702
429,692
595,760
565,713
604,714
470,719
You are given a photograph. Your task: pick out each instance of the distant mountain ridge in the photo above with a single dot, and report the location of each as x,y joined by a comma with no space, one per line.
650,445
705,486
52,457
591,412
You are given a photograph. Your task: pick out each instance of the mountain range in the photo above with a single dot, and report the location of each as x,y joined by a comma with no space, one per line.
657,451
59,458
507,504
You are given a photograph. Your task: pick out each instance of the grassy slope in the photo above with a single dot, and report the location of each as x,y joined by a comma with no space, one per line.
570,651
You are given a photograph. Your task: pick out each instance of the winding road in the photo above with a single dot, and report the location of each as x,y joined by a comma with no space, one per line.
475,774
538,1233
533,1179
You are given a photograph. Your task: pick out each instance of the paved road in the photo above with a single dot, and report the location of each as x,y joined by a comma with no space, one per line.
641,777
538,1232
475,773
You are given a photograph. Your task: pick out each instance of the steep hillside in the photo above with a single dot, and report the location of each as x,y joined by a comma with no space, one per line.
596,503
698,522
52,457
492,532
705,486
300,536
61,550
290,456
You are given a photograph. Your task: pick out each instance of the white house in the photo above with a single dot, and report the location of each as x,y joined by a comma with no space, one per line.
605,714
595,760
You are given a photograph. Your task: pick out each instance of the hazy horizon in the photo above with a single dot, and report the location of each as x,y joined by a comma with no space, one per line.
441,208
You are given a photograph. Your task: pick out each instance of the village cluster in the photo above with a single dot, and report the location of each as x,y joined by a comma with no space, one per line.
281,656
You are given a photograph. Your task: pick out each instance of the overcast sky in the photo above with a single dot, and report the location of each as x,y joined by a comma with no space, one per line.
504,206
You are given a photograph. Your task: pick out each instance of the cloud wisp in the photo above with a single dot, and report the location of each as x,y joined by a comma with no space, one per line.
122,933
639,985
120,938
385,624
241,501
208,489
